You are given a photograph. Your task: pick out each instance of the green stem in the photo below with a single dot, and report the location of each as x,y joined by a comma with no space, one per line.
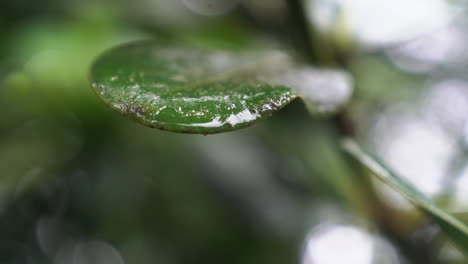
454,228
300,30
317,48
309,42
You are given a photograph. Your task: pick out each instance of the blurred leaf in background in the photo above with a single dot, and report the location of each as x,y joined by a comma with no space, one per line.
80,184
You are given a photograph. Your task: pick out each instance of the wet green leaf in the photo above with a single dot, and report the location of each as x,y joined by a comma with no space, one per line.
188,89
453,228
191,89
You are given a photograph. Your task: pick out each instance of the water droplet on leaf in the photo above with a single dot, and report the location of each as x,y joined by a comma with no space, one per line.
194,90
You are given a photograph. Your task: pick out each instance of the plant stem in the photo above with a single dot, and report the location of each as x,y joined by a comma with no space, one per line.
314,46
301,31
385,218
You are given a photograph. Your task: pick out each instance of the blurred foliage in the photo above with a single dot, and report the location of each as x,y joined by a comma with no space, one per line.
78,181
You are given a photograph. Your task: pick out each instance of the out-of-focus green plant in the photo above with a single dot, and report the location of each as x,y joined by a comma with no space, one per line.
190,88
79,184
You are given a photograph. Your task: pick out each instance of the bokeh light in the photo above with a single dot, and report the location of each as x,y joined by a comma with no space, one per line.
338,244
377,22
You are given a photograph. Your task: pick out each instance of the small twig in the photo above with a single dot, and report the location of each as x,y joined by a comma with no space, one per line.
306,39
453,227
301,31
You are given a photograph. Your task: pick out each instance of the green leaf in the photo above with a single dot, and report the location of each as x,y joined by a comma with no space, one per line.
188,89
456,230
191,89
